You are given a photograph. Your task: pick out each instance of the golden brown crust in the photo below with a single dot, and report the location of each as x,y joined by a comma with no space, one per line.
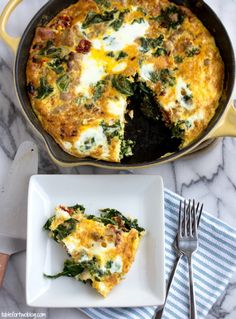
73,114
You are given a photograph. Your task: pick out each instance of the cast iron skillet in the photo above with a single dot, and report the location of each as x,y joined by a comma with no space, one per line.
212,23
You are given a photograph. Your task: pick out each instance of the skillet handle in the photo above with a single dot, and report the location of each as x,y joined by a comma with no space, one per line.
226,126
9,40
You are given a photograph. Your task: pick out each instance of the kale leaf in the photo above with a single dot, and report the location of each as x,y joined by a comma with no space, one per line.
99,89
44,89
74,269
171,17
56,66
151,43
65,229
126,224
94,18
50,51
192,51
63,83
122,84
48,223
77,208
117,23
111,130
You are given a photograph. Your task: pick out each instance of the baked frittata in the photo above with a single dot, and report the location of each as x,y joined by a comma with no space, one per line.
101,248
111,79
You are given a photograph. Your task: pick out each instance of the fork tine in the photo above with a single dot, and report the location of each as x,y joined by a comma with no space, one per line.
180,219
191,219
186,208
194,222
199,215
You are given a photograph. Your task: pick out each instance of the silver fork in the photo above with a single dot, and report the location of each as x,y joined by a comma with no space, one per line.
187,243
179,254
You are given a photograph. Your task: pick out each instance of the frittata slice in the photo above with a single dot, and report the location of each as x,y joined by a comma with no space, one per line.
101,249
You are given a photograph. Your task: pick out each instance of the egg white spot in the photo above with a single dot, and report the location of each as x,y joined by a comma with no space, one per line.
84,258
91,139
67,145
195,117
125,36
102,286
117,107
71,244
92,72
146,70
180,87
120,67
60,213
97,44
117,265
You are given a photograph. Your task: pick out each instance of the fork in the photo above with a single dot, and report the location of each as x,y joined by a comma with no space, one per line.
187,243
179,254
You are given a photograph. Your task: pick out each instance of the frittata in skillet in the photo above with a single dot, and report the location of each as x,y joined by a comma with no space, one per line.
111,79
101,248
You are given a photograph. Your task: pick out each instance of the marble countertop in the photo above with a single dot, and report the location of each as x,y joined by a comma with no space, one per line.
209,176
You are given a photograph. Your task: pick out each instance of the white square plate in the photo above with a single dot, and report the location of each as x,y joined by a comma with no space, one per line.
138,196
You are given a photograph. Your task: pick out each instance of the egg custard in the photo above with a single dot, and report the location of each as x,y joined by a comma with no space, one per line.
113,79
101,248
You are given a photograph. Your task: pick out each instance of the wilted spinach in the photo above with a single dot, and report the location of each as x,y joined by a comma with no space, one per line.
126,148
151,43
99,89
165,76
178,59
50,50
171,17
77,208
117,23
111,130
121,55
160,52
48,223
138,20
122,84
74,269
44,89
178,130
65,229
56,66
192,51
94,18
63,83
126,224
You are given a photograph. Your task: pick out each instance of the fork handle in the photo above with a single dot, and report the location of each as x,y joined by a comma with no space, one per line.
158,314
193,308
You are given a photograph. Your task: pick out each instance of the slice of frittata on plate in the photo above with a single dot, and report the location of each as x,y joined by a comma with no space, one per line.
101,248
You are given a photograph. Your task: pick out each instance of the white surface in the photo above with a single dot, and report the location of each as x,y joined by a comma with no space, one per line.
138,196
